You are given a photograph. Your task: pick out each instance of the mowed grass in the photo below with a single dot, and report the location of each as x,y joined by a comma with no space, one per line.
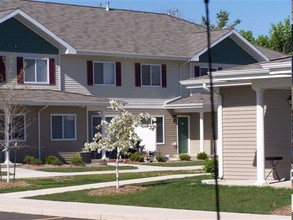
53,182
189,193
73,169
176,163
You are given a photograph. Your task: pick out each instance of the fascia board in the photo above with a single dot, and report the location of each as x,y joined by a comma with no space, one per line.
219,85
131,55
19,14
63,103
277,65
184,106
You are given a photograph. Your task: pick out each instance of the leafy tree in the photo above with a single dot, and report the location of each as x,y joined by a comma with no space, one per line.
248,35
222,21
121,134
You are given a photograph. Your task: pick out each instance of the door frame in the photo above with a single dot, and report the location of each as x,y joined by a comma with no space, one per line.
188,141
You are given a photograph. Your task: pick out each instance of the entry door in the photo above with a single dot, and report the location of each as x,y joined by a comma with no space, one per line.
183,134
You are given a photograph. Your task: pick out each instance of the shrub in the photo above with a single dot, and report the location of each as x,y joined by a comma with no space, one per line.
184,157
210,166
31,160
138,157
202,156
76,160
160,158
53,160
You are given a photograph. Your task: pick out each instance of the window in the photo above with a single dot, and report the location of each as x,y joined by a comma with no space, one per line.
151,75
63,127
16,128
159,129
205,70
104,73
36,70
96,120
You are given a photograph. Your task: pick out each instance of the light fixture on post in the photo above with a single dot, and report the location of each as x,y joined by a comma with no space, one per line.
289,100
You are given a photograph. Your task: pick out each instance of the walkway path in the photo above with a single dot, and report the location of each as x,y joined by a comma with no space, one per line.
15,202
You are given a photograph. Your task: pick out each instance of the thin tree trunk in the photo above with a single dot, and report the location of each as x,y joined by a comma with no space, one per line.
117,169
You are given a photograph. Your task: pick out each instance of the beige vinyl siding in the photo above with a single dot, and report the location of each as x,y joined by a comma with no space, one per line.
170,128
74,69
239,133
278,130
195,136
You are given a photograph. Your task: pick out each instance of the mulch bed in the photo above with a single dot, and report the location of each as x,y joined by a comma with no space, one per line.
110,191
20,184
283,211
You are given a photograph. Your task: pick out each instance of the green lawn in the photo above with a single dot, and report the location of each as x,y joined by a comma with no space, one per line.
190,194
42,183
176,163
83,169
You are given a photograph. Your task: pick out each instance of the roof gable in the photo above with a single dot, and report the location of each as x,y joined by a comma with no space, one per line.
29,42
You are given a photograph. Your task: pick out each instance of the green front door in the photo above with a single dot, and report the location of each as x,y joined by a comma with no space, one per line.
183,134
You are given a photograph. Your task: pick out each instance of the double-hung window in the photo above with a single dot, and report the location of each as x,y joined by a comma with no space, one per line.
205,70
96,120
151,75
16,130
104,73
63,127
36,70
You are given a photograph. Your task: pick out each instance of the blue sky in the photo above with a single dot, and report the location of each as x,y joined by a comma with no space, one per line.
255,15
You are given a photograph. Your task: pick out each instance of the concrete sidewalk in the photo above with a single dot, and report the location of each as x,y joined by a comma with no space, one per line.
16,202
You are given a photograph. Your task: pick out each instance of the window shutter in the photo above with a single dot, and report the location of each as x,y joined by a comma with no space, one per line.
90,76
137,75
19,67
118,74
2,69
52,71
196,71
164,75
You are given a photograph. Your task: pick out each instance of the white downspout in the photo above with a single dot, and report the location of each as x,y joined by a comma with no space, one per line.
220,136
39,130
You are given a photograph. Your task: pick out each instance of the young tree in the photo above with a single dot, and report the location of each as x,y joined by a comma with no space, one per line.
11,113
120,133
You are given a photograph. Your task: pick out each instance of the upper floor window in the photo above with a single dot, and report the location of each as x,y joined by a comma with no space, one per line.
104,73
16,127
151,75
202,71
36,70
63,127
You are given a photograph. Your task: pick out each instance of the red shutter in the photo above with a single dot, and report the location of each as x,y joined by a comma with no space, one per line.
118,74
90,76
2,69
196,71
137,75
52,71
20,72
164,75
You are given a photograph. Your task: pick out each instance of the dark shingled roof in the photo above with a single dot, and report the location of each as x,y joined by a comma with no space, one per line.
51,97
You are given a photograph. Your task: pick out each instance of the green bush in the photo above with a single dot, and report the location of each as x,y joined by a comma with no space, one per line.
31,160
138,157
53,160
202,156
184,157
160,158
76,160
210,166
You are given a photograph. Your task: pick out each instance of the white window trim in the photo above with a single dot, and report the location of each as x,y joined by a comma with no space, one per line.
149,64
63,139
24,127
48,71
161,116
104,84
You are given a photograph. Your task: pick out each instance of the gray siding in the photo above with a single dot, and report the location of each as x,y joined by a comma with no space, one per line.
239,132
74,70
